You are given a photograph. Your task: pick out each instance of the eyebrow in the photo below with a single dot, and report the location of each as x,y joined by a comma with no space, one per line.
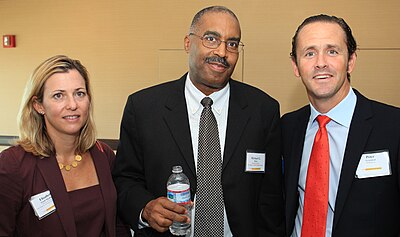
334,46
214,33
62,90
328,46
57,91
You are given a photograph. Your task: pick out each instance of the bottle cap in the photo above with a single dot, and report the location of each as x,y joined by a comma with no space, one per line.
176,169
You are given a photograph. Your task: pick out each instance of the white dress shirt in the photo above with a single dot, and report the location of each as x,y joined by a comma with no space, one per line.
193,97
338,130
220,108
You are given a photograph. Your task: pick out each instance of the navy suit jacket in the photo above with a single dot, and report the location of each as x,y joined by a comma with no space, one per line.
155,136
363,207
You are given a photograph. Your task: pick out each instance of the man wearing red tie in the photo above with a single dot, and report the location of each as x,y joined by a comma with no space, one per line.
342,151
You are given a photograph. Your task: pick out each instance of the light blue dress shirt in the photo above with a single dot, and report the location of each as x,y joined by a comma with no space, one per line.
338,130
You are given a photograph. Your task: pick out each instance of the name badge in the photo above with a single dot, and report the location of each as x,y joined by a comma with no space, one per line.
374,164
255,161
42,204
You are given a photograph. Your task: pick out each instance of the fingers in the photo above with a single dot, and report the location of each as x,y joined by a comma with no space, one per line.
161,212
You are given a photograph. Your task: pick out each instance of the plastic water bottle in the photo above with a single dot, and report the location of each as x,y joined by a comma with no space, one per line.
178,191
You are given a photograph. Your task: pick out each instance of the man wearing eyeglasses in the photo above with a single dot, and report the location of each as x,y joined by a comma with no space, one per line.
162,126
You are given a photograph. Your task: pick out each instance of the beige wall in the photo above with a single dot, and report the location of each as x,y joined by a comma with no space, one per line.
128,45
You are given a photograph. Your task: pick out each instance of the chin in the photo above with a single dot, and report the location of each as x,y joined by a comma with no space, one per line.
324,95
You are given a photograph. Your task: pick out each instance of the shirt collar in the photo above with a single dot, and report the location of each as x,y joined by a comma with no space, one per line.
194,96
342,112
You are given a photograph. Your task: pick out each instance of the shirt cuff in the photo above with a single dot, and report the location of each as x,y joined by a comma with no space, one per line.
142,224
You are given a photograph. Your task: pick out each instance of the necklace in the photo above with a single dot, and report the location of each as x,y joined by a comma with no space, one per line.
74,163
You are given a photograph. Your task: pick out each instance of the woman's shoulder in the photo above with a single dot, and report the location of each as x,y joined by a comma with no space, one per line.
15,160
13,154
102,150
103,147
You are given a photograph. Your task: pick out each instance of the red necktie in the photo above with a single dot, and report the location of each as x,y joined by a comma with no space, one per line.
317,184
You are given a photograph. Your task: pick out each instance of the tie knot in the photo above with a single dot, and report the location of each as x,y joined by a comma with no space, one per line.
206,102
323,120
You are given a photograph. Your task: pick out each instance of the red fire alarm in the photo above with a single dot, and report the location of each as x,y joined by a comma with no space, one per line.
8,41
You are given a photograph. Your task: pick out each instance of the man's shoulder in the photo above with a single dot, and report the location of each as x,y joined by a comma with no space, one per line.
298,114
251,92
238,85
379,108
160,88
387,108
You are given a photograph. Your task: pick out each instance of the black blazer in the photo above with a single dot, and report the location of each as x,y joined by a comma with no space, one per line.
155,136
363,207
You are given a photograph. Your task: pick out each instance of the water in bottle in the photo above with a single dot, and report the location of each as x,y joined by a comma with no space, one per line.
178,191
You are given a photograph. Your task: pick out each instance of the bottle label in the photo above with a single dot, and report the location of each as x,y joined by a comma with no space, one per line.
179,193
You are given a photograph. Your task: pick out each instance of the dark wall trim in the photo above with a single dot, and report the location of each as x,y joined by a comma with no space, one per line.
113,143
9,141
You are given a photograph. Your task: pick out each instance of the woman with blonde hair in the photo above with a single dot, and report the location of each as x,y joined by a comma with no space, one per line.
56,181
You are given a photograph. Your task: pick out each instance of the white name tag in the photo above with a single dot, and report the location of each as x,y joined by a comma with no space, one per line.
255,161
42,204
374,164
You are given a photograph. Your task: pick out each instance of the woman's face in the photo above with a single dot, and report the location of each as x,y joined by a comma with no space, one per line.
65,104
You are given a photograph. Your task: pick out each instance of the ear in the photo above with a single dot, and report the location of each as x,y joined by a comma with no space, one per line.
186,43
352,62
295,68
37,105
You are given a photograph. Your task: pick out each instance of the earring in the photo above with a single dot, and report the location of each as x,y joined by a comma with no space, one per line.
41,112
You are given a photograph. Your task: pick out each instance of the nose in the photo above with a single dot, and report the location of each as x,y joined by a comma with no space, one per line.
71,103
221,50
321,61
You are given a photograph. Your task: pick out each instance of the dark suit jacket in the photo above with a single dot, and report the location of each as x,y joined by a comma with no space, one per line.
155,136
364,207
23,175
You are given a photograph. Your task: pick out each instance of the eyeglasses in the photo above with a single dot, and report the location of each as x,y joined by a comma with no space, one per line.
213,42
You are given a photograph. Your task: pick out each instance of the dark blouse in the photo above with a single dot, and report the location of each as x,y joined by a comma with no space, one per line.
89,211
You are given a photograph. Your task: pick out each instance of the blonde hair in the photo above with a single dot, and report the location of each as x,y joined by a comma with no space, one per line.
33,136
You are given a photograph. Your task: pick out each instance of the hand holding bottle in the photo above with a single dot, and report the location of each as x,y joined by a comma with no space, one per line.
160,213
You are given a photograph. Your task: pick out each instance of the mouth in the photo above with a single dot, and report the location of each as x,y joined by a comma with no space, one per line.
322,76
71,117
218,66
217,63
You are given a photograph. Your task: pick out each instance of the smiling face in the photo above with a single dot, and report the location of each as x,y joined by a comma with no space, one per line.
65,104
323,63
210,69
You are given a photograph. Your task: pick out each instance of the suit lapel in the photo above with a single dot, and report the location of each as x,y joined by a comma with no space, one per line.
103,171
293,165
237,121
360,129
48,167
176,118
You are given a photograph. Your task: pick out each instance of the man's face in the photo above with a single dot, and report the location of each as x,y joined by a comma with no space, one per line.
210,69
323,62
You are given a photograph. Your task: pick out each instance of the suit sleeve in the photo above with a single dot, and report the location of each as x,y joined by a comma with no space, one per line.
122,230
271,198
398,152
10,194
128,172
